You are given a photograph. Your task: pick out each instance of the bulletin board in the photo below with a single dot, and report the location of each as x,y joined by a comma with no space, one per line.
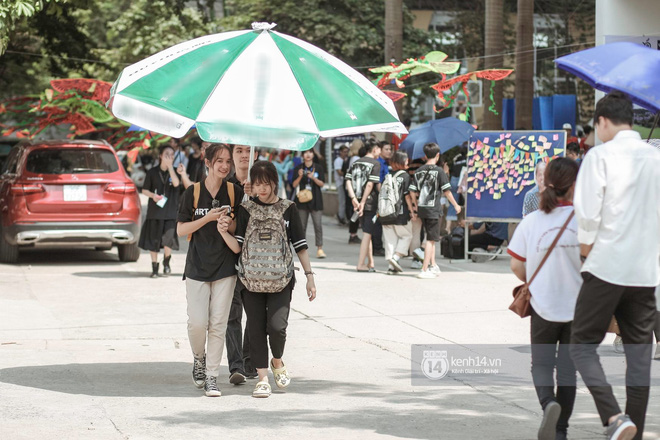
501,170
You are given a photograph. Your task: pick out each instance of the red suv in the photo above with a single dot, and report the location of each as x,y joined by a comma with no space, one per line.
67,193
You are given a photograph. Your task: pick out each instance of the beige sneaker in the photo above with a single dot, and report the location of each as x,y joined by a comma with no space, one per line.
320,254
282,378
261,390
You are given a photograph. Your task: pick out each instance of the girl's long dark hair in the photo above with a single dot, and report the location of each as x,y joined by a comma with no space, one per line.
560,176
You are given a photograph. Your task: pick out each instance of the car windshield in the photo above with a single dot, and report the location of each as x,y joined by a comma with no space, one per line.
71,161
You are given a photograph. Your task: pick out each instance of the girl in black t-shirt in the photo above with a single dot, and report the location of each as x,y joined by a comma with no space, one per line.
210,271
161,185
268,313
310,176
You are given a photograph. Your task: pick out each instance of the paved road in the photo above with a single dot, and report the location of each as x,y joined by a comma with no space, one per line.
91,348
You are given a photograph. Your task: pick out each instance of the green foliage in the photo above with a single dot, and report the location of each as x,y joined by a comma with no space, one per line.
13,12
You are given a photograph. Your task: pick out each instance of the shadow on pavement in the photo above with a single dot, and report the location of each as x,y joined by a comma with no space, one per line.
139,379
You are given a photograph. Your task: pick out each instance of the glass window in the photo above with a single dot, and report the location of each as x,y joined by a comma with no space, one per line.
71,161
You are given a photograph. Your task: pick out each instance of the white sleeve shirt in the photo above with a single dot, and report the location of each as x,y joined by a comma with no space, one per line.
617,204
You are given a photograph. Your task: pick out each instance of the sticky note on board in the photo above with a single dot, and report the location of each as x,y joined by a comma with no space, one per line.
543,139
480,176
497,196
555,137
470,190
501,185
531,138
486,140
501,180
491,191
501,136
515,185
508,135
489,184
477,195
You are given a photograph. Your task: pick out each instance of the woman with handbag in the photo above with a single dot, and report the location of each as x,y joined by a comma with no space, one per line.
545,246
307,183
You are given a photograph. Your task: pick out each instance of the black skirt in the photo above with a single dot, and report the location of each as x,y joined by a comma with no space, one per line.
157,234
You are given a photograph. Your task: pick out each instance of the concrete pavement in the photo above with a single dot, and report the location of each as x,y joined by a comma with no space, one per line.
91,348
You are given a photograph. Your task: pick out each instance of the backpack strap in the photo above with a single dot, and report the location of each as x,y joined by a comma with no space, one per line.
230,192
197,188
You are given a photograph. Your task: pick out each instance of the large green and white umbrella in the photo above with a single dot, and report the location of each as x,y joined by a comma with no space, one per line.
254,87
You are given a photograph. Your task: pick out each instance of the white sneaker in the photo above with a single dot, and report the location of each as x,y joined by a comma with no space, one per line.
426,275
418,254
435,269
416,265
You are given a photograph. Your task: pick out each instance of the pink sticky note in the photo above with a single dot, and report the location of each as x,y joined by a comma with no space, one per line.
555,137
486,140
480,176
501,180
491,191
508,135
477,195
502,136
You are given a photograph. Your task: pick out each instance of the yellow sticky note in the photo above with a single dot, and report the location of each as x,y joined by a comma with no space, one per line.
470,190
497,196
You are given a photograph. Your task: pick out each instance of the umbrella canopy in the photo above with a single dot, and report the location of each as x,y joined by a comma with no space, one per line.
631,68
446,132
254,87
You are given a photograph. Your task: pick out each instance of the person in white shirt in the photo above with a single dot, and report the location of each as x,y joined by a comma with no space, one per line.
554,293
616,204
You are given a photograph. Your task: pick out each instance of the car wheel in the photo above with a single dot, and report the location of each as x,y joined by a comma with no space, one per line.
128,252
8,252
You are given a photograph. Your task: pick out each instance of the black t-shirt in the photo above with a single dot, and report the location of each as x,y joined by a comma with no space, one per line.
365,170
160,182
294,229
430,181
209,258
404,185
316,204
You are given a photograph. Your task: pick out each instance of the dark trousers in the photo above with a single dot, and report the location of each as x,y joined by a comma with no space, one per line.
377,236
268,318
634,309
238,344
545,356
482,241
352,226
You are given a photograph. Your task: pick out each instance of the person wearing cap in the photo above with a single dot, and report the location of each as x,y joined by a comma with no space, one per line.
569,134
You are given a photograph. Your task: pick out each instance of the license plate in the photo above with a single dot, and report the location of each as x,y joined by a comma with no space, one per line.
75,193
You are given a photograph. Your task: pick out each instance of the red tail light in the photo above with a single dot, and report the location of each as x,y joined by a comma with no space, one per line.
121,188
24,189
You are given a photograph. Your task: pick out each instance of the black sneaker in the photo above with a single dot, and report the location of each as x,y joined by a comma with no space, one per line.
379,252
354,239
211,387
199,372
548,428
237,378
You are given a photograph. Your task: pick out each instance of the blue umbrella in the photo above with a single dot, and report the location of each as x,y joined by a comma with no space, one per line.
446,132
631,68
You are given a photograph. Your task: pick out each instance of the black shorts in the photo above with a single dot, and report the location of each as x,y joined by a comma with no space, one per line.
431,228
367,222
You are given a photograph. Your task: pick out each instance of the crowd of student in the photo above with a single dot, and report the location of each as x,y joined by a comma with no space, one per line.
604,264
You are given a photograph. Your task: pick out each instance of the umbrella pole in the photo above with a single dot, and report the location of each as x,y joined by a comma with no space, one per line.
252,147
655,124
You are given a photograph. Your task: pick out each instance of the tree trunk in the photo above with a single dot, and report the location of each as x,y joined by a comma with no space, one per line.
494,60
524,64
393,31
394,37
